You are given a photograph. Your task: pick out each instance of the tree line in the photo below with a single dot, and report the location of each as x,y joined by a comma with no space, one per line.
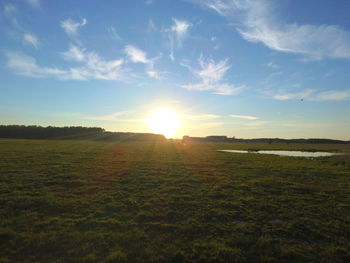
71,133
262,140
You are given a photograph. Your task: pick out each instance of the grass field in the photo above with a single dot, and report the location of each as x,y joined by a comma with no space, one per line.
85,201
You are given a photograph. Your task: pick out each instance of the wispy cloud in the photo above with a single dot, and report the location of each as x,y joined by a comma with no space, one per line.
303,94
245,117
255,123
272,65
177,34
34,3
257,22
332,95
10,12
74,53
314,95
92,66
329,74
27,66
10,9
200,116
87,65
32,40
112,31
151,72
136,55
211,124
211,75
180,28
208,116
151,27
71,27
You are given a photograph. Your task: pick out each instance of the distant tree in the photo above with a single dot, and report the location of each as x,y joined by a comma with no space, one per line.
72,133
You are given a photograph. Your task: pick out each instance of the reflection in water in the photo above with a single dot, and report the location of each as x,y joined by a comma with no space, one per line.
286,153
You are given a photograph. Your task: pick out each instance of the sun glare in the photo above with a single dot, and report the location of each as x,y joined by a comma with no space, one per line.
164,121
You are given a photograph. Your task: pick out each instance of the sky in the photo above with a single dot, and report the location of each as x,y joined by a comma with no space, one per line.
243,68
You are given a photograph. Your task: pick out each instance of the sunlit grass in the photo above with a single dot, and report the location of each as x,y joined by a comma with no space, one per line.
83,201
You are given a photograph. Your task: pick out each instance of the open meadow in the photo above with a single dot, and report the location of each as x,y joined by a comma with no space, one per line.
88,201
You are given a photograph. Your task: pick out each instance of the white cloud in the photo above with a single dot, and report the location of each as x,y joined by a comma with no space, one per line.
149,2
136,55
180,28
211,75
32,40
257,22
177,34
71,27
245,117
115,117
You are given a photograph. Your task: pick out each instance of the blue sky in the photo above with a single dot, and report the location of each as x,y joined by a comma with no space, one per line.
240,68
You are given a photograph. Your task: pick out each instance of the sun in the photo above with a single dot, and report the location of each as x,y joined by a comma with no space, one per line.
164,121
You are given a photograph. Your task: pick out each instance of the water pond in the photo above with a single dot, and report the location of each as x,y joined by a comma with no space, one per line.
286,153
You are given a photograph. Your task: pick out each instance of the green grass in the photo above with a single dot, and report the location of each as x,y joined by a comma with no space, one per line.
83,201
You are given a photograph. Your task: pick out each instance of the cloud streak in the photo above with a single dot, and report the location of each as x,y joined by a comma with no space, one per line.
314,95
245,117
257,22
200,116
114,117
